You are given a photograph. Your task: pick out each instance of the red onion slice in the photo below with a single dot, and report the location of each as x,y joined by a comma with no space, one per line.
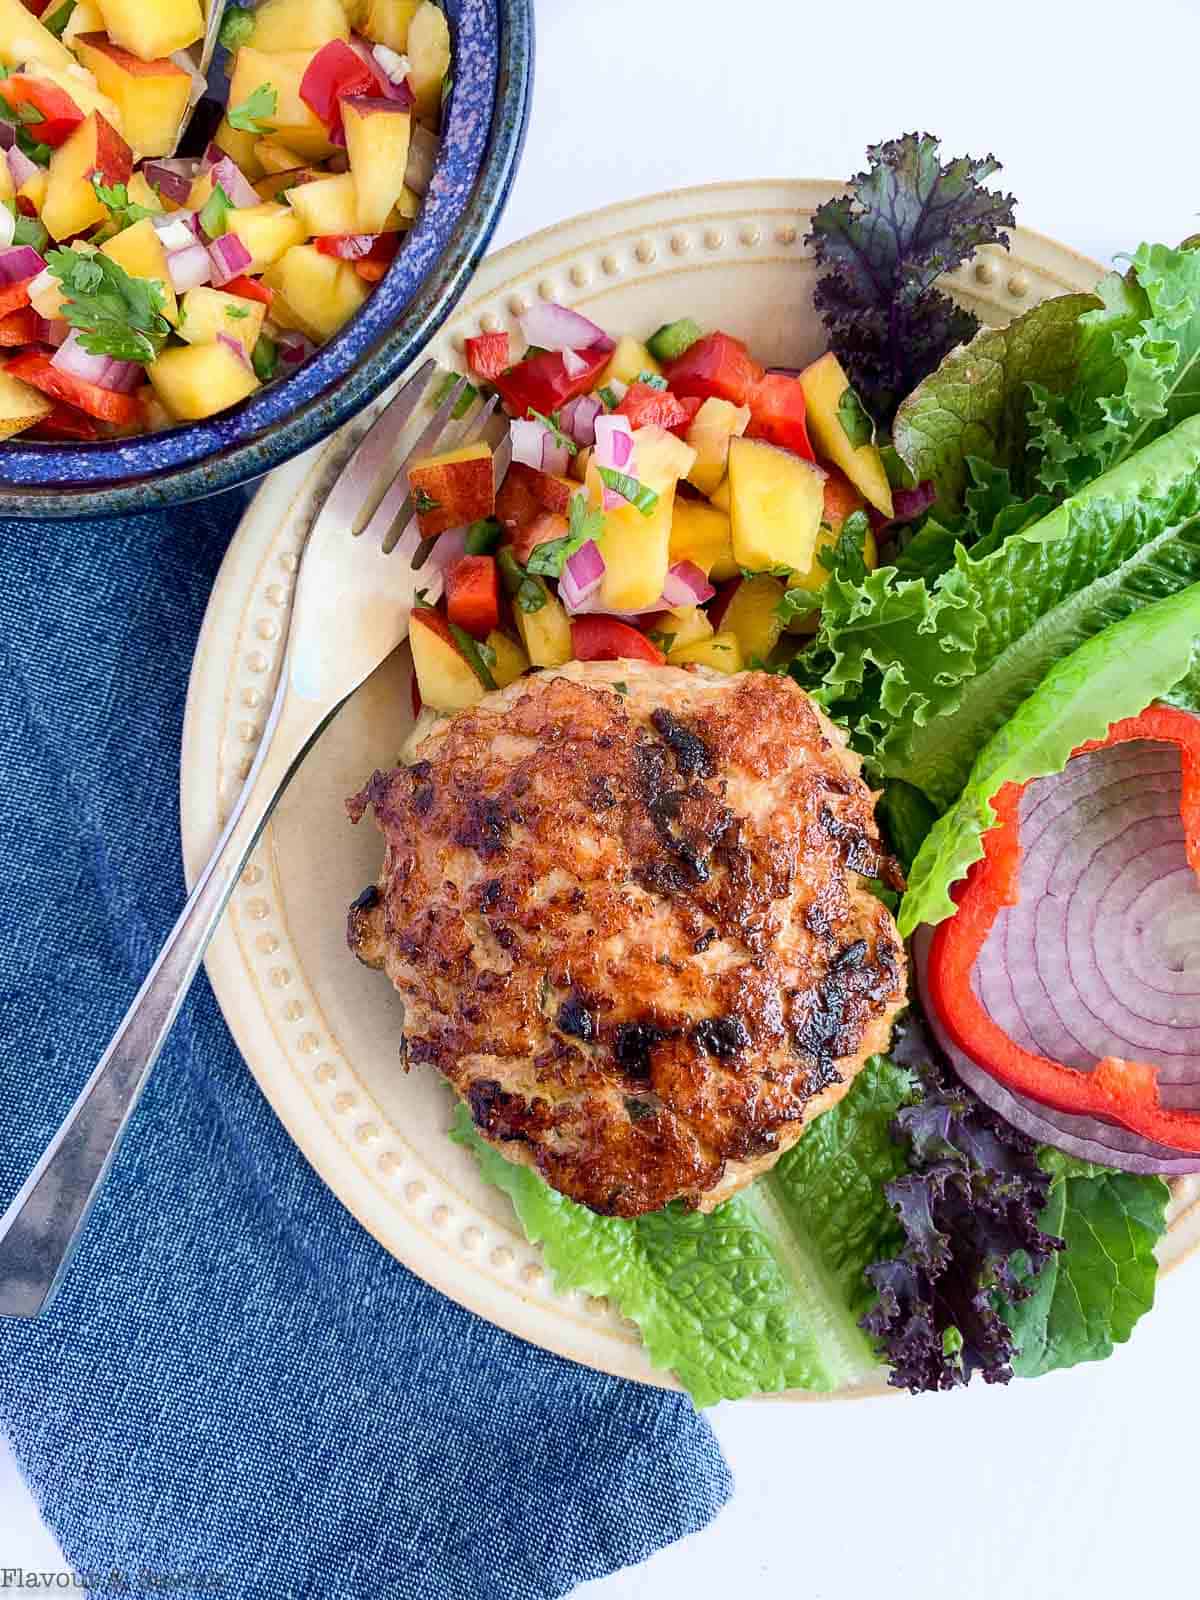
579,418
235,346
229,257
556,458
233,180
20,166
103,371
528,440
614,449
172,178
189,267
1101,956
686,585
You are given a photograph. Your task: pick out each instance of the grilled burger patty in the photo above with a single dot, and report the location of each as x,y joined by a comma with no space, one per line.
625,908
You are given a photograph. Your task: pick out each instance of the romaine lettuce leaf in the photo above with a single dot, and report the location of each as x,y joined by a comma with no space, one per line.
1088,1297
1113,675
764,1294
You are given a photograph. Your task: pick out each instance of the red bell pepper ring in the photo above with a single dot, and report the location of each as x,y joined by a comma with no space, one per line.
1124,1092
473,595
778,414
33,367
334,74
60,116
487,355
605,639
542,382
646,406
717,367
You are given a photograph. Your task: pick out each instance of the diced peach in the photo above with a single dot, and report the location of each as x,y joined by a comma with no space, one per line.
268,231
445,677
298,24
151,96
544,529
317,293
25,41
242,146
153,28
388,21
198,380
526,491
138,250
453,488
428,50
20,406
71,205
377,139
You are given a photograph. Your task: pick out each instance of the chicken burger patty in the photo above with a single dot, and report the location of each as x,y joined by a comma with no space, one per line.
626,908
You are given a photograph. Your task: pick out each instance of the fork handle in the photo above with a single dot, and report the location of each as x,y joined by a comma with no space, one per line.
41,1227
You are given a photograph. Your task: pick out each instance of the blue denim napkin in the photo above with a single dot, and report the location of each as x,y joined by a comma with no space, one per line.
237,1389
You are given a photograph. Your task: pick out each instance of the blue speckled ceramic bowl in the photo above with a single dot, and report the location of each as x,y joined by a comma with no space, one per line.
484,131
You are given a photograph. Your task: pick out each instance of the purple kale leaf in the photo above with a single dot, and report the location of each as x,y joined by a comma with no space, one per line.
969,1208
881,248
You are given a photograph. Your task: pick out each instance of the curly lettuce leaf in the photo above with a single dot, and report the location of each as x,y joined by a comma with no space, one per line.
976,404
1088,1298
767,1292
1144,380
881,248
971,1207
1113,675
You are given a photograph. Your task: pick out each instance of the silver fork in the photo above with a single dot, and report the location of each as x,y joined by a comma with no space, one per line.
354,594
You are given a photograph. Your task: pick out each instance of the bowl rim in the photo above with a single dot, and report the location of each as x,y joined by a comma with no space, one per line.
154,487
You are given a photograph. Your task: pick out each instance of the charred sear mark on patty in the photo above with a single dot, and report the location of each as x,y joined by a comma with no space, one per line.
692,755
632,930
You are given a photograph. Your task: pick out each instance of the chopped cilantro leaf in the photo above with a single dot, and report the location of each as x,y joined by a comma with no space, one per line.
464,402
652,380
116,315
550,558
265,358
560,438
124,211
609,397
255,112
531,596
621,687
846,558
36,151
58,19
214,214
237,313
483,536
425,502
630,489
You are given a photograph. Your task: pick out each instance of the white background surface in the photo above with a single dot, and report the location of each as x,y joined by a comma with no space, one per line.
1080,1483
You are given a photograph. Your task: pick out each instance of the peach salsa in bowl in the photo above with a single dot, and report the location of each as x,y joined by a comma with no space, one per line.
793,865
141,289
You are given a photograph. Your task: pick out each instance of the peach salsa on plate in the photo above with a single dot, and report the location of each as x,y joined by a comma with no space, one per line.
139,289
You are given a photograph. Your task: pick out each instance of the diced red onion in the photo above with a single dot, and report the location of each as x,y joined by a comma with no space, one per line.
18,261
189,267
686,585
8,136
558,328
1099,956
423,150
236,345
578,418
104,371
581,576
614,449
176,229
363,49
173,177
556,458
395,69
573,364
352,246
229,257
529,442
20,167
8,227
234,181
619,389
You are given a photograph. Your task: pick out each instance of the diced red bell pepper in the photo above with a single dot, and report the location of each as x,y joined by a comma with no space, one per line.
334,74
545,527
349,246
716,367
691,403
778,414
60,115
14,295
1121,1091
526,491
64,422
647,406
250,289
33,367
542,383
473,595
487,355
605,639
20,327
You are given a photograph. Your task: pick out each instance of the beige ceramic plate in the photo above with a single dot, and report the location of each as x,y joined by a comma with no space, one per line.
321,1033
